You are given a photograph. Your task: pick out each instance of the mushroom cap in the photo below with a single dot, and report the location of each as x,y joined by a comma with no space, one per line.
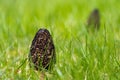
42,50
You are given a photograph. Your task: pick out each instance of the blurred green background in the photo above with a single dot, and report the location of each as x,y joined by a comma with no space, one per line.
80,55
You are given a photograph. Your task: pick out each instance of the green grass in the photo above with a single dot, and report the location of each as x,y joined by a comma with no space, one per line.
80,55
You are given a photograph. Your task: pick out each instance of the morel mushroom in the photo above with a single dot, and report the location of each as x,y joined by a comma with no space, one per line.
42,51
94,19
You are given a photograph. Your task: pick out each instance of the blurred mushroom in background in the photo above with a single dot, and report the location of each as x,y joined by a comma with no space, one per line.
94,19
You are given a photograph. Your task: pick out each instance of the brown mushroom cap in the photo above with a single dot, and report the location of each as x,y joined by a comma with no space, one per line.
94,19
42,50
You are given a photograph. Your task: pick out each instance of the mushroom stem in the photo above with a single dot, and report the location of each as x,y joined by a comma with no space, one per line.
42,76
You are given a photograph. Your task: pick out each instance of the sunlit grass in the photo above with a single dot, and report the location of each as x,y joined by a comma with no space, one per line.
80,55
